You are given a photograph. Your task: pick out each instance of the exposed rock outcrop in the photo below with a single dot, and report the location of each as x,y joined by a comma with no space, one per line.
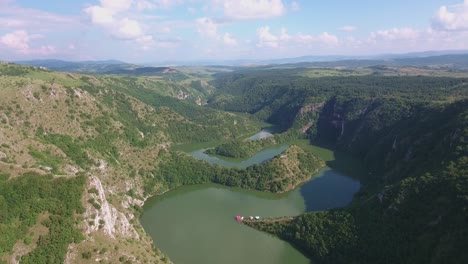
105,217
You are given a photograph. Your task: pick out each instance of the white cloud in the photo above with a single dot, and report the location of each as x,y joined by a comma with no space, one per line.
327,39
100,15
146,42
113,17
411,39
229,40
395,34
252,9
19,41
116,6
347,28
129,29
44,50
453,18
207,27
16,40
268,39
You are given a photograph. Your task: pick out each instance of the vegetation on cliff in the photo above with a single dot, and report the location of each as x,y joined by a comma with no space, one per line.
414,200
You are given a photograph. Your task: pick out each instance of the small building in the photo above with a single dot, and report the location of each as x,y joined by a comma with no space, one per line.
257,217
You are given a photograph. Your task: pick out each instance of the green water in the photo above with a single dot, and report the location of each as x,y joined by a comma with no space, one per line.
258,158
195,224
265,133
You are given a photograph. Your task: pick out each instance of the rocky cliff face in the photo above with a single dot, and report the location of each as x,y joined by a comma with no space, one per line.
391,136
103,216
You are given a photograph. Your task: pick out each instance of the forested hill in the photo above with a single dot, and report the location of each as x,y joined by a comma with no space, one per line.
80,154
410,131
107,142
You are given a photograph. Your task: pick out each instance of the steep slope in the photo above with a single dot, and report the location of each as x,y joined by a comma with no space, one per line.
417,217
365,115
105,143
87,132
411,133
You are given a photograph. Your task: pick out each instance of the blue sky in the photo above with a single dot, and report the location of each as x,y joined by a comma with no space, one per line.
181,30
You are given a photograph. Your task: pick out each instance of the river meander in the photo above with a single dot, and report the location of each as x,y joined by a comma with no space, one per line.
195,224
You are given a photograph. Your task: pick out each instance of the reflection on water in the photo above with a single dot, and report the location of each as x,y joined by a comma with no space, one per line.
260,157
261,135
195,224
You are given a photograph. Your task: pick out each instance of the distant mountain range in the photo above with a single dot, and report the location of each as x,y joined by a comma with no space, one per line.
328,58
436,59
81,66
99,67
458,61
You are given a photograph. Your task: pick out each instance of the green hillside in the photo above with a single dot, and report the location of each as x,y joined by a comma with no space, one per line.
80,154
107,142
410,132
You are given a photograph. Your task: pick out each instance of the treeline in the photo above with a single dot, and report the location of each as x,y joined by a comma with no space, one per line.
23,199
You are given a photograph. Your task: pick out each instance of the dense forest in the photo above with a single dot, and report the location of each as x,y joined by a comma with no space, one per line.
411,133
26,199
177,170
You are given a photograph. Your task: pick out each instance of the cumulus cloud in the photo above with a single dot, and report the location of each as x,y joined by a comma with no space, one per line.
252,9
207,27
452,18
111,15
327,39
100,15
411,39
229,40
396,34
129,29
19,41
268,39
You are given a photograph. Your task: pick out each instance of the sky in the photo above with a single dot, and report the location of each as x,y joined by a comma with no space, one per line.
188,30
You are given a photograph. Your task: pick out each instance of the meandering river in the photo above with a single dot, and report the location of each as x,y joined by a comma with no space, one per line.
195,224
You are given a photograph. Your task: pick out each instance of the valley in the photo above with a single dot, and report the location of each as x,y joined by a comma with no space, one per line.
129,146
